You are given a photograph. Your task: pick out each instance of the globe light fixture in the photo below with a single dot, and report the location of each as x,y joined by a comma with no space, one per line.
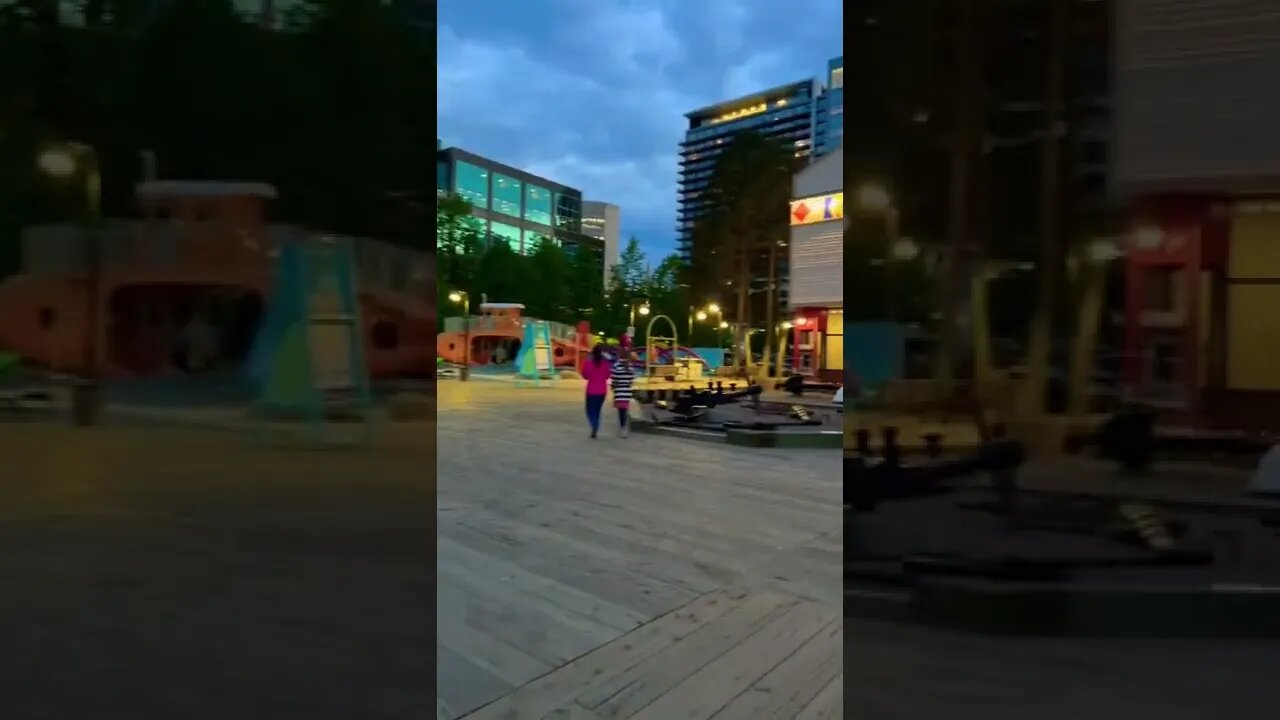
56,163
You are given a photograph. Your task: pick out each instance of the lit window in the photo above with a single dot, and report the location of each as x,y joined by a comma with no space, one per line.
537,205
506,233
506,195
472,184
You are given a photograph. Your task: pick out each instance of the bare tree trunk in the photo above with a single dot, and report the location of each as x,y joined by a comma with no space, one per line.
1092,288
744,288
770,311
1040,342
960,201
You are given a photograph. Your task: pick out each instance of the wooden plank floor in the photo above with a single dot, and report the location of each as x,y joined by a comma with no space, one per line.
557,552
729,654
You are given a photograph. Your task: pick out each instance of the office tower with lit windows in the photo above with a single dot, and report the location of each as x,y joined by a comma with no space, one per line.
785,113
514,206
828,114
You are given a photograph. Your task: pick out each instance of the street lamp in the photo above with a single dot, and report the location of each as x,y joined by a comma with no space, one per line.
638,307
701,315
461,297
61,162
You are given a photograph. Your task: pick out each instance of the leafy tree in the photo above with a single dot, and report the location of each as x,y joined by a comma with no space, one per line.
457,241
586,288
549,296
744,228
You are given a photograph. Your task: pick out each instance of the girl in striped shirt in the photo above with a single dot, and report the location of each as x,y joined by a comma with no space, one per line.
621,378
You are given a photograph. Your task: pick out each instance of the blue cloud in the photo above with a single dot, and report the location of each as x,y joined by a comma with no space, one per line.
592,93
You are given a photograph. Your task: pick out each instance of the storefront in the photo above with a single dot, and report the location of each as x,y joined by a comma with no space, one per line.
816,262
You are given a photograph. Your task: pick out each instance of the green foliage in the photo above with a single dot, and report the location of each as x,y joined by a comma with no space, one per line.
335,111
743,235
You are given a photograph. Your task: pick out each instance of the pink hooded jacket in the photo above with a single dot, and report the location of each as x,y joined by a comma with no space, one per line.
597,376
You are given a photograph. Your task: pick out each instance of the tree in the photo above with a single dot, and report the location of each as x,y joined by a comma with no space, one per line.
1052,250
457,241
549,297
586,287
737,241
632,269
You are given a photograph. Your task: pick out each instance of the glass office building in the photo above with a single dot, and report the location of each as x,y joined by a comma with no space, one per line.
828,114
785,112
513,206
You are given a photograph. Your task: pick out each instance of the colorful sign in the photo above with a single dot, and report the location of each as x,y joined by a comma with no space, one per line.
817,209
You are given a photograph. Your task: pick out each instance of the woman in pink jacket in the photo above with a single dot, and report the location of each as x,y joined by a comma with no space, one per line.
596,371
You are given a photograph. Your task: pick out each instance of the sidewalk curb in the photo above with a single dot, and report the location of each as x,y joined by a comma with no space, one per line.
988,607
994,608
1242,506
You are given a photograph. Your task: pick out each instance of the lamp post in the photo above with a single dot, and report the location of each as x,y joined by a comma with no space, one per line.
63,162
638,307
701,315
1091,265
461,297
786,326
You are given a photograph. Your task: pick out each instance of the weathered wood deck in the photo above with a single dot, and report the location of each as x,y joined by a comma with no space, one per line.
646,577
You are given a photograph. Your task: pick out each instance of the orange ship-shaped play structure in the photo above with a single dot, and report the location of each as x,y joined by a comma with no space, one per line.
497,333
201,250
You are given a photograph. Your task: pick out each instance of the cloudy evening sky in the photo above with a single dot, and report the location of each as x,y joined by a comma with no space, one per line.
592,93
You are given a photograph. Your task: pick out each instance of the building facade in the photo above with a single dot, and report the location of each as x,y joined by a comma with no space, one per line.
1197,160
784,113
602,221
513,206
816,261
828,113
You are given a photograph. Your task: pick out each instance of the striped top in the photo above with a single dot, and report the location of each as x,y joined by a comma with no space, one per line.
621,379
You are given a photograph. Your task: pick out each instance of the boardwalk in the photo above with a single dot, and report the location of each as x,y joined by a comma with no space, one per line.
646,577
160,573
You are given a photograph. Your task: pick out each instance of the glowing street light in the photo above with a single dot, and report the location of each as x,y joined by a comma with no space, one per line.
874,198
905,249
461,297
63,162
57,163
702,315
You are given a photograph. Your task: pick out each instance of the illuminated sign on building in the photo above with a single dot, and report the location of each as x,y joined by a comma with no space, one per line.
817,209
744,112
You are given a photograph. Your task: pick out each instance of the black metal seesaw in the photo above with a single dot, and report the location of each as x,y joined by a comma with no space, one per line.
870,479
690,406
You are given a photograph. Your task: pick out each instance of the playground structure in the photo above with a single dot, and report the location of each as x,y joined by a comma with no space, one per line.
202,250
534,364
500,334
308,362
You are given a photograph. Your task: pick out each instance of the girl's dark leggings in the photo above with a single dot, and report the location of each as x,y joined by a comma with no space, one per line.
622,417
594,405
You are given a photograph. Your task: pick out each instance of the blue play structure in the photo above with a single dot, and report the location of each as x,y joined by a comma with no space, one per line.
534,363
308,358
874,353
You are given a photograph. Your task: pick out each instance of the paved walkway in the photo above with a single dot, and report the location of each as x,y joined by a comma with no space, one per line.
646,577
160,573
